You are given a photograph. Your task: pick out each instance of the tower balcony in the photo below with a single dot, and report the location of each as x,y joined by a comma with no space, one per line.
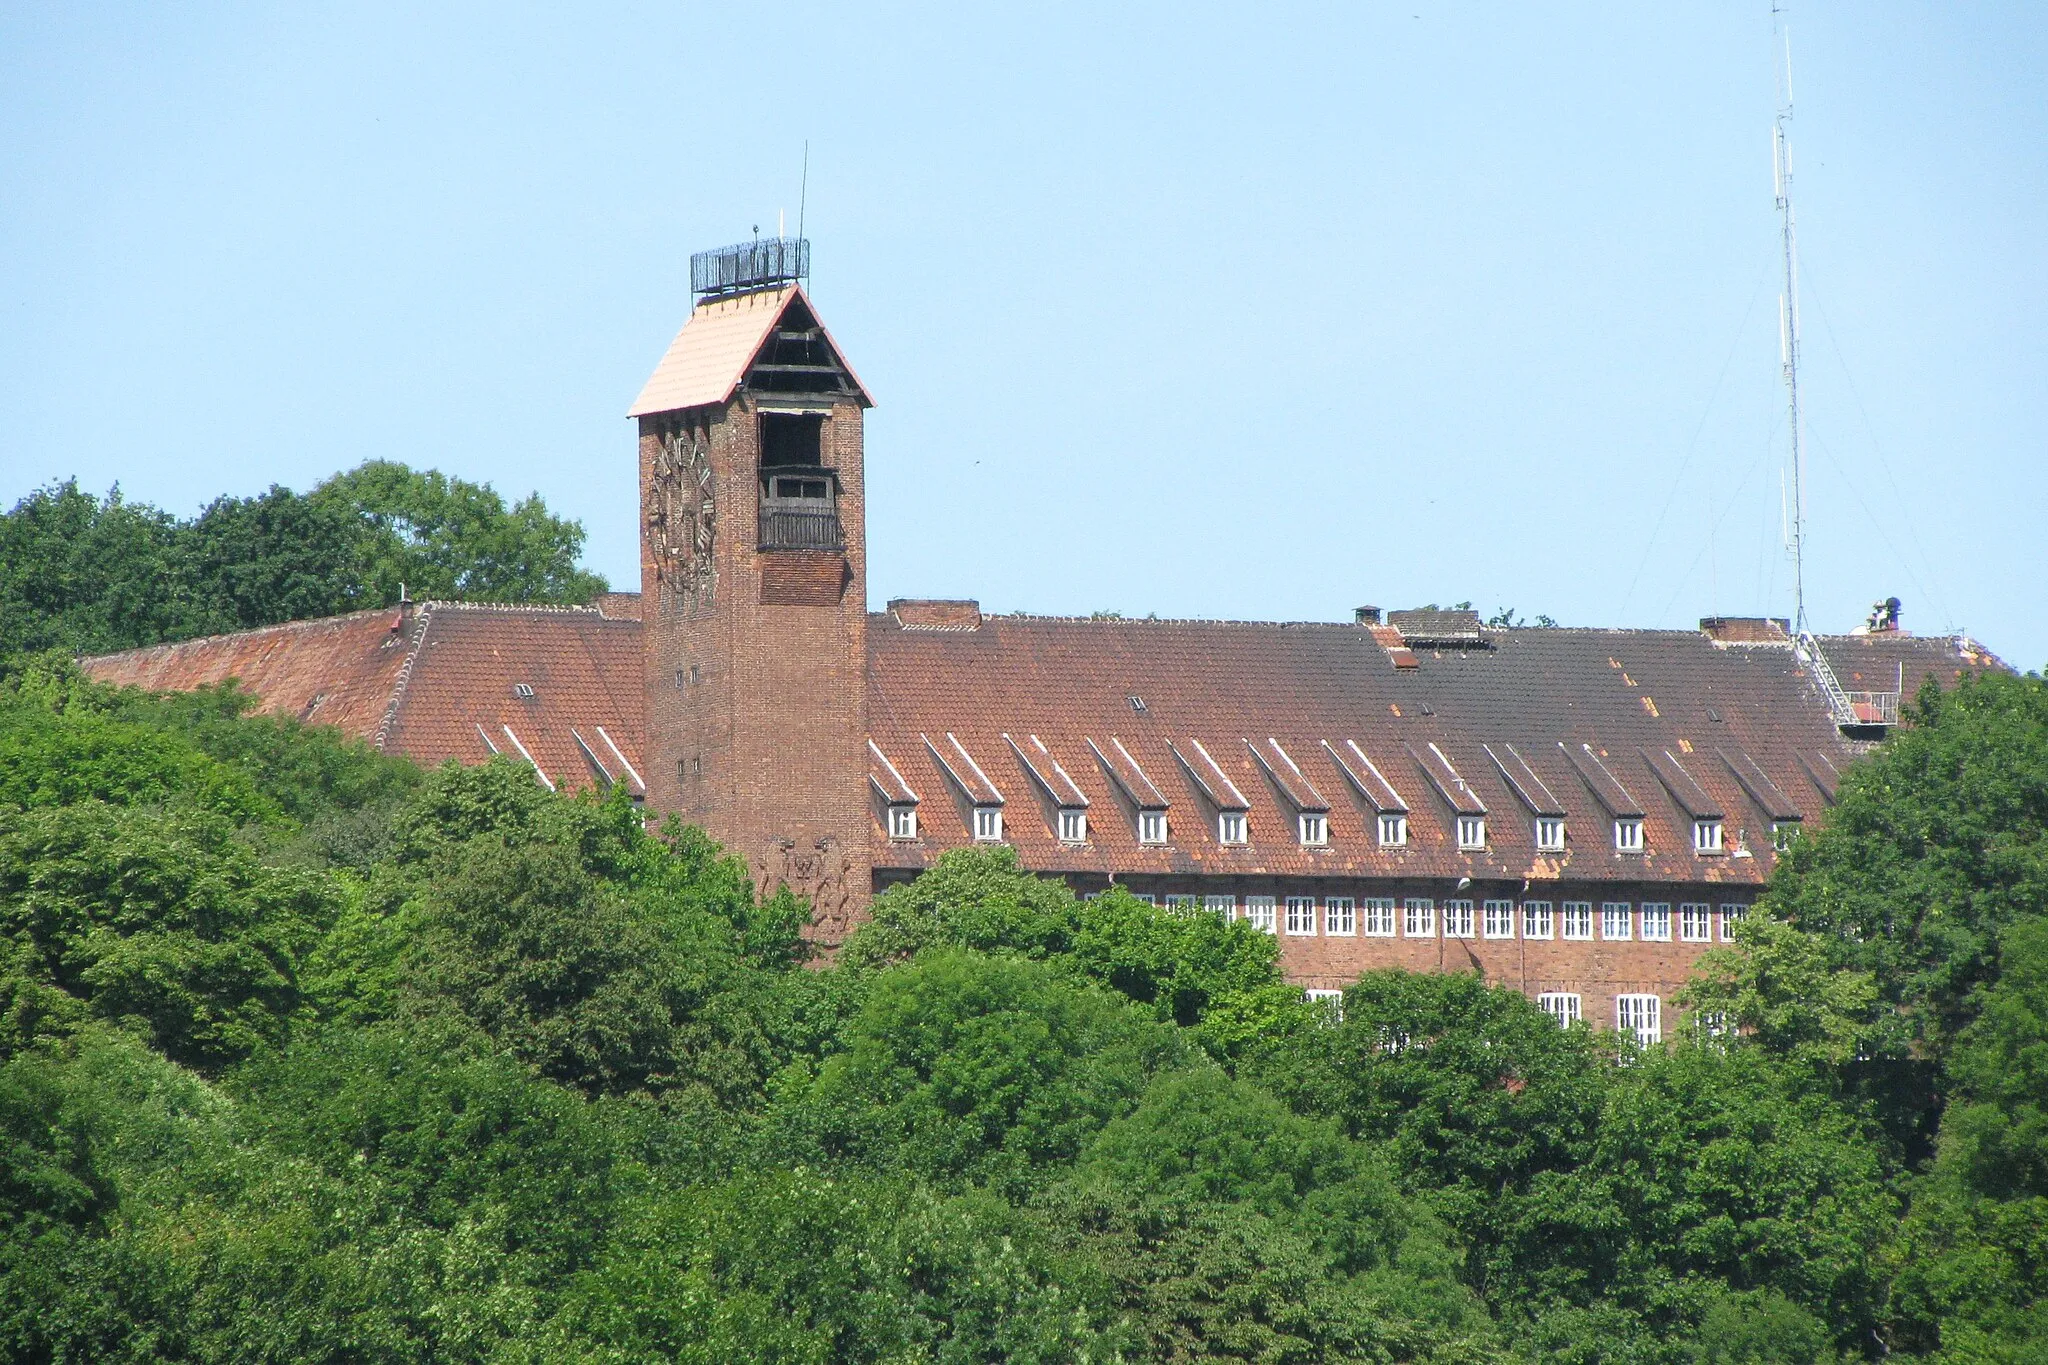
800,524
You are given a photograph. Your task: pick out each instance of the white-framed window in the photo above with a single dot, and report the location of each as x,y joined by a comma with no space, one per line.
1640,1015
1315,829
1151,826
1301,915
1783,832
1333,1001
1230,827
1340,916
1656,922
1497,919
1695,922
1222,907
1549,835
1731,915
1616,923
1575,919
1712,1025
1706,836
1457,919
988,824
903,822
1073,826
1393,830
1471,832
1259,910
1146,897
1538,920
1181,904
1379,917
1628,836
1418,917
1562,1006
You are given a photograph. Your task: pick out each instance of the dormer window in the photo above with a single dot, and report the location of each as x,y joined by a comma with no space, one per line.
1783,832
903,822
1471,832
1073,826
1628,836
1230,827
1314,828
988,824
1706,836
1151,826
1394,830
1549,835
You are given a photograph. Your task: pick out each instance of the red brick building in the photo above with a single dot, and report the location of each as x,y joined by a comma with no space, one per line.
1577,813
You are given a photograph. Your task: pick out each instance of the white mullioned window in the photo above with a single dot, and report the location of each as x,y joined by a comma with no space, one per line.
903,822
1315,829
1656,922
1222,907
1151,826
1628,836
988,824
1538,920
1301,915
1783,832
1379,917
1259,911
1562,1006
1340,916
1393,830
1331,1000
1695,922
1471,832
1641,1016
1145,896
1457,919
1616,923
1182,904
1073,826
1706,836
1230,827
1731,915
1576,919
1498,919
1549,835
1418,918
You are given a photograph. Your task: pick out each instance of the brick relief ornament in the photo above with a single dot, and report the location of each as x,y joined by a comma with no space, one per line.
682,524
821,874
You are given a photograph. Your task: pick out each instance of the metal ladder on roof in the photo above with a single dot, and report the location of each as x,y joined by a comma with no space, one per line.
1839,705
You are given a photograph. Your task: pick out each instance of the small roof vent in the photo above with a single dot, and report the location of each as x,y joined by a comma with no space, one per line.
523,691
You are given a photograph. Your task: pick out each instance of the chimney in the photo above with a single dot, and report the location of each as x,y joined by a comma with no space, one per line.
1366,616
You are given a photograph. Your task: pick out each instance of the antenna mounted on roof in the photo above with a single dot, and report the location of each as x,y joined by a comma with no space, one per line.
747,267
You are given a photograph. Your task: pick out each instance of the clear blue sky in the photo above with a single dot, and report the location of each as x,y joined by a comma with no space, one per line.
1259,312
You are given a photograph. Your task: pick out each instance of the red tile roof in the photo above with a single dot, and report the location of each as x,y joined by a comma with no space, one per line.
718,341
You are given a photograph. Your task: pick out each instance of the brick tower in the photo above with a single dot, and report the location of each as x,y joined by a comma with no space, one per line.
753,574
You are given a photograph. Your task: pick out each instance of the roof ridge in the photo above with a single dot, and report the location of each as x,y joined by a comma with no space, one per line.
412,654
250,633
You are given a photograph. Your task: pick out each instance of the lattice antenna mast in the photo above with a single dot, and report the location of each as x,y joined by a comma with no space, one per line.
1788,306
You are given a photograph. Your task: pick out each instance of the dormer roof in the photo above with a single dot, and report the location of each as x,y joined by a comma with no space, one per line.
717,345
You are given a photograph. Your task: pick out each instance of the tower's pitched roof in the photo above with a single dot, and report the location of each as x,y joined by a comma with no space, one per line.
719,340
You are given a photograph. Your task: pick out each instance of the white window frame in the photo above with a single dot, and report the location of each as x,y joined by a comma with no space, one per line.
1418,917
1144,897
988,824
1152,827
1471,833
1323,995
1783,832
1313,828
1706,836
1539,920
903,822
1497,919
1562,1006
1222,907
1340,916
1695,922
1458,919
1259,912
1230,827
1656,921
1181,903
1301,917
1628,836
1550,834
1617,915
1073,825
1730,916
1393,829
1380,918
1575,921
1642,1016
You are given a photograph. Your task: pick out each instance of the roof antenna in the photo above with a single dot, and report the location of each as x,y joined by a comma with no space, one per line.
1788,310
803,196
